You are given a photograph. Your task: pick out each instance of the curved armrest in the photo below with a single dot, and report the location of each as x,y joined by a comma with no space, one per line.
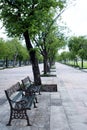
21,104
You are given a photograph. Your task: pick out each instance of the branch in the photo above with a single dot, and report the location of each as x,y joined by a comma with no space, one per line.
40,47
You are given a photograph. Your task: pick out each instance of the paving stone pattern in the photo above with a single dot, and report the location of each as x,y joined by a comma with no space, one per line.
65,109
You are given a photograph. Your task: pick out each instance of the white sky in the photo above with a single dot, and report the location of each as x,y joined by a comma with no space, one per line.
75,18
2,32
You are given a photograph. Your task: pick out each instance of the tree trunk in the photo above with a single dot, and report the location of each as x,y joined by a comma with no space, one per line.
33,59
19,63
6,61
46,65
76,62
82,63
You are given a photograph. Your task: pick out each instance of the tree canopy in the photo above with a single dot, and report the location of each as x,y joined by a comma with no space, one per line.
19,15
27,17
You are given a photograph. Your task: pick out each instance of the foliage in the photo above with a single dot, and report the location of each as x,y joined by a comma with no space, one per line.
13,48
77,50
31,18
19,15
2,48
78,46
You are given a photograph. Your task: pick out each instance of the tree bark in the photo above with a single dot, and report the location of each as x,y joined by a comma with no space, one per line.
33,59
82,63
46,65
6,61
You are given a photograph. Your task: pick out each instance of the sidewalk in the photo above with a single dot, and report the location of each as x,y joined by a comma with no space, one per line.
40,117
65,109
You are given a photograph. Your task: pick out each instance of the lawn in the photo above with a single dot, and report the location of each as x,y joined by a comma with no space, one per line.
71,63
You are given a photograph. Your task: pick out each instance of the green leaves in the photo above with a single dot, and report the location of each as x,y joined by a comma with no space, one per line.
19,15
78,45
11,47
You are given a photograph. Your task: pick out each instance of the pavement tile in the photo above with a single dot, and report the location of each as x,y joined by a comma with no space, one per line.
65,109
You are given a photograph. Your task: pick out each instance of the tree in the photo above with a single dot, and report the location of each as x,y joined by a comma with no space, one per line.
78,46
63,57
2,48
74,46
82,50
45,37
23,55
12,50
22,18
20,52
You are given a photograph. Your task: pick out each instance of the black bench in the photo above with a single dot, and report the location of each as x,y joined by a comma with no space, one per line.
19,103
28,84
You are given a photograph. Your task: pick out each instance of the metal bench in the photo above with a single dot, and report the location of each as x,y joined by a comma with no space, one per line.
19,103
28,84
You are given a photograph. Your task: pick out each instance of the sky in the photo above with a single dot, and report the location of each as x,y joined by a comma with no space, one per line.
2,32
75,18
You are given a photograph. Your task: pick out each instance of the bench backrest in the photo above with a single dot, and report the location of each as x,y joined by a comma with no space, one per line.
26,82
14,88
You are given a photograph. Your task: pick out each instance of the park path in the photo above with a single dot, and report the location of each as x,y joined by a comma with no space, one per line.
10,76
73,94
65,109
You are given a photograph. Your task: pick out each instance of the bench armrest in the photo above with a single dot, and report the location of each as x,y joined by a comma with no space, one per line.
19,104
28,91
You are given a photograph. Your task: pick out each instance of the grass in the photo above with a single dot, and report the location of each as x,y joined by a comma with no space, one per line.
84,64
71,63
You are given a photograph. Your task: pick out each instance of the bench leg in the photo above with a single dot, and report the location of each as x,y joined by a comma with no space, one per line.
39,90
35,104
39,93
36,99
9,123
18,114
27,118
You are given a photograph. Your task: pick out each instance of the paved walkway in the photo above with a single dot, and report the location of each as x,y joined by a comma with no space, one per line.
62,110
